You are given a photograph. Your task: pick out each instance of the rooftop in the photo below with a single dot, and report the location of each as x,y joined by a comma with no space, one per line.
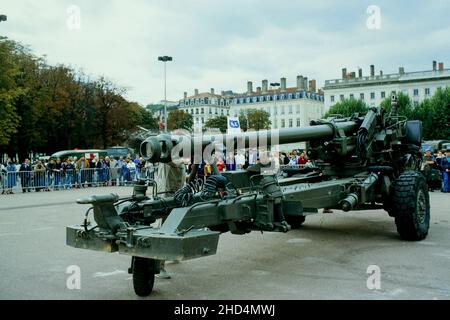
389,78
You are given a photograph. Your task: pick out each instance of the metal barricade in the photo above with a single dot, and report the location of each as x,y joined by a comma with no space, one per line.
47,180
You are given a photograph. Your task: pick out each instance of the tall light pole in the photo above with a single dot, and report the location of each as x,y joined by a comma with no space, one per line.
165,59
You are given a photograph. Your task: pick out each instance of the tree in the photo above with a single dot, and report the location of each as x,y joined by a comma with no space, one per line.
347,107
178,119
254,119
435,116
9,120
219,122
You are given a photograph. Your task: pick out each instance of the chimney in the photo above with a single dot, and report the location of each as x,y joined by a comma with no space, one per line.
283,84
312,85
434,65
320,91
185,95
264,86
258,90
196,92
372,70
344,73
299,82
381,72
353,75
212,90
249,87
222,93
401,70
441,66
360,73
305,83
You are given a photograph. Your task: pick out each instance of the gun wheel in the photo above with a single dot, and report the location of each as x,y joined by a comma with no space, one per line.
295,221
411,206
143,275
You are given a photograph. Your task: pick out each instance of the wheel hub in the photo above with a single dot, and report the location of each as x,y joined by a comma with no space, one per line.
421,206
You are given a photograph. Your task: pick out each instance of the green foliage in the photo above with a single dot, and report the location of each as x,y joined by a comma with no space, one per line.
254,119
435,115
178,119
219,122
347,108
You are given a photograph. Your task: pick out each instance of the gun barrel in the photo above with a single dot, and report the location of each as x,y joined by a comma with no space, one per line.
158,149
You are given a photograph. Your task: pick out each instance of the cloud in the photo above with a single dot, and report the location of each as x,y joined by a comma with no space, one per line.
224,44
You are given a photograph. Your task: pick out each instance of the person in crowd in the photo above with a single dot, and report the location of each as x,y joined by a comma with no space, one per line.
39,176
239,160
131,170
120,170
219,163
293,162
140,168
287,158
11,178
58,174
25,175
230,162
98,171
82,167
302,159
70,173
50,176
113,170
3,173
445,163
106,171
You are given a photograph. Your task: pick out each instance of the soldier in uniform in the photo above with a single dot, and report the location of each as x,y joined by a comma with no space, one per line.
170,178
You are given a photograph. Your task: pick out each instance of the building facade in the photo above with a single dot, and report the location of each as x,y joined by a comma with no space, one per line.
288,107
204,106
373,89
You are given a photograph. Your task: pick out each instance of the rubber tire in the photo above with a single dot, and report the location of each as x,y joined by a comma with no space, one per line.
295,221
143,275
405,208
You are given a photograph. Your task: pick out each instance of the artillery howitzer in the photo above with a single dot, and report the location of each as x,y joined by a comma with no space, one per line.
361,162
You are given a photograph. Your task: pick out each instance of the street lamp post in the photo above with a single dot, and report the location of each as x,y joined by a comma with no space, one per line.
165,59
3,17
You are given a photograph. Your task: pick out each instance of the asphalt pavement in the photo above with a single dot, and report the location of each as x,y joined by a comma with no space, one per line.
331,257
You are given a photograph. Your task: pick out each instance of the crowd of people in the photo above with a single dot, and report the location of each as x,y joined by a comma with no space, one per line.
436,168
71,173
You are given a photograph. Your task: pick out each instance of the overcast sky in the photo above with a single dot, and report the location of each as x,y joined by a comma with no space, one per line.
223,44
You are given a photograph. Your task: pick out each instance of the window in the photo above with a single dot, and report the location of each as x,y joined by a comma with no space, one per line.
372,95
416,92
196,110
202,111
275,110
352,96
290,109
192,111
282,109
290,123
341,97
283,123
361,96
297,109
427,91
298,122
203,120
221,112
215,111
383,94
332,98
210,110
196,120
228,112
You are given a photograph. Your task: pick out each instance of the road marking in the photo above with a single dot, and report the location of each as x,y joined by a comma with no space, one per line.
107,274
